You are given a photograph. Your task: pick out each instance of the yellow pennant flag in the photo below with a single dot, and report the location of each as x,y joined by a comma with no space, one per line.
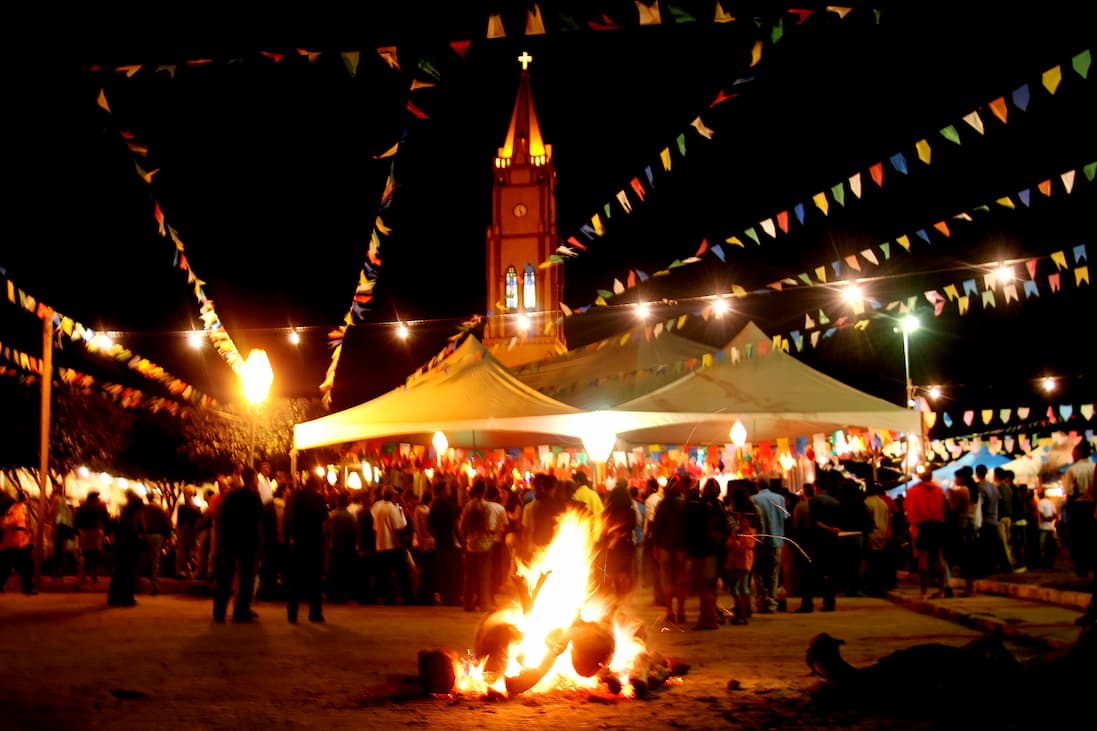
733,240
388,153
1060,260
1052,77
535,25
649,15
821,274
721,15
1081,275
904,241
350,60
922,146
664,157
951,292
756,53
1005,202
820,200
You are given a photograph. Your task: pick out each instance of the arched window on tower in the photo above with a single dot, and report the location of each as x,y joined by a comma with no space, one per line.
510,293
529,289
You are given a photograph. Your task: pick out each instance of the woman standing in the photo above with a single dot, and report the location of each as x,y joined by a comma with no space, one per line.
618,528
129,538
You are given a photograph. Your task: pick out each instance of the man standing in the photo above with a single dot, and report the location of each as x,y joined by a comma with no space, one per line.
989,539
157,531
477,529
925,505
585,494
270,565
393,572
186,521
239,531
1077,517
650,565
773,511
303,525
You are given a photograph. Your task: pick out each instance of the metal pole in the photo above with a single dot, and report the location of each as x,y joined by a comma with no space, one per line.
251,440
906,366
43,445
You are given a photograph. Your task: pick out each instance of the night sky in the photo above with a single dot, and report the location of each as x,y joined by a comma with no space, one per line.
271,173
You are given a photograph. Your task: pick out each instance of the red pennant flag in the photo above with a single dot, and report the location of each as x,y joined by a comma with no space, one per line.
704,247
801,14
782,220
276,57
460,47
638,187
160,219
631,278
721,97
877,173
416,111
606,23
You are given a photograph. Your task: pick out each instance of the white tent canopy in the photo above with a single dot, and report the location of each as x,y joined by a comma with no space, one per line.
772,393
478,403
469,395
615,369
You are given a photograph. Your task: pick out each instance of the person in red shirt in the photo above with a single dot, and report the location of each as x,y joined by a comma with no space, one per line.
925,506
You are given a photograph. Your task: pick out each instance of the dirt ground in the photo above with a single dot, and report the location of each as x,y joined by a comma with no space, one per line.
71,663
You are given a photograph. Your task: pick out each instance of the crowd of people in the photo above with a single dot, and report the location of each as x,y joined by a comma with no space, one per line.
456,540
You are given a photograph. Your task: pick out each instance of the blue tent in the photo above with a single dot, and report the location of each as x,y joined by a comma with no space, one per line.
947,473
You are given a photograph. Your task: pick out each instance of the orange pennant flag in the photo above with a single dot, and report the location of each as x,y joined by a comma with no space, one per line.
942,226
102,100
160,219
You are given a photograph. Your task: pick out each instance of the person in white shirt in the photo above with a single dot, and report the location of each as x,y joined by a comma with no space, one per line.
393,569
1048,514
651,574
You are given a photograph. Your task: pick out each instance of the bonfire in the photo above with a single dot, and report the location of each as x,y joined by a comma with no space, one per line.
560,634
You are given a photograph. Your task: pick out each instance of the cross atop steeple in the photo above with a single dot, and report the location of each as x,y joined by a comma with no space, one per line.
525,59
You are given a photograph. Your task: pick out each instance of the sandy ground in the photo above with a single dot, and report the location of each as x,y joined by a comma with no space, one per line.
71,663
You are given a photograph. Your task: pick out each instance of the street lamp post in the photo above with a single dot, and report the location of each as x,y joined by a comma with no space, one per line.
257,377
908,325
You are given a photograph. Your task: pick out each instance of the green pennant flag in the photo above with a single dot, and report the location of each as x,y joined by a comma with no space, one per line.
753,235
950,134
839,193
1081,63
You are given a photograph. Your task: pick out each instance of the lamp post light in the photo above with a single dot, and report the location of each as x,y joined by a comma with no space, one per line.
738,436
598,439
257,377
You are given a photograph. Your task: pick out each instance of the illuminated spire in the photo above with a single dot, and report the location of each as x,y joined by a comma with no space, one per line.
524,145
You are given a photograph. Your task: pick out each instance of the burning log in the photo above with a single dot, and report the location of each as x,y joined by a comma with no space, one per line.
592,647
557,642
650,671
492,643
437,671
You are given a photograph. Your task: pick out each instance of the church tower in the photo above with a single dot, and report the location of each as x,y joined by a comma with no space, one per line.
525,322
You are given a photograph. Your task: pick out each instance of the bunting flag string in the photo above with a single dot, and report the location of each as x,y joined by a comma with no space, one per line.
496,26
96,343
426,77
127,398
595,228
1080,63
819,329
211,321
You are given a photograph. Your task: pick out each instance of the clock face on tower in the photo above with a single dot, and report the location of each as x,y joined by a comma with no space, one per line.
520,210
